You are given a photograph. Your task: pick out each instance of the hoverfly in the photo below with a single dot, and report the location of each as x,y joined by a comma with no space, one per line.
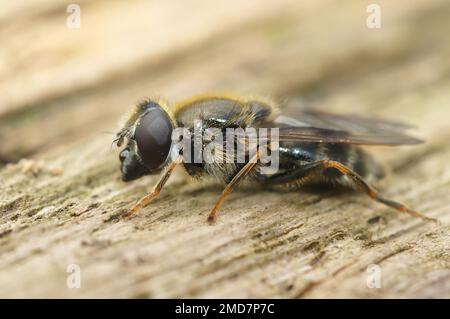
314,147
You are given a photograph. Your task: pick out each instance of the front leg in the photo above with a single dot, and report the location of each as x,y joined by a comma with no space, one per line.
157,189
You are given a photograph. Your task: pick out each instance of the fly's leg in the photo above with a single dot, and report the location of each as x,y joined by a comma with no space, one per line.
229,188
156,190
367,188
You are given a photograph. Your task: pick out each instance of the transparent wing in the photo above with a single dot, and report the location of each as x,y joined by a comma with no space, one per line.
320,127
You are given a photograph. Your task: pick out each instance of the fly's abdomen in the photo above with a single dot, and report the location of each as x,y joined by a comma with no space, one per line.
295,158
353,157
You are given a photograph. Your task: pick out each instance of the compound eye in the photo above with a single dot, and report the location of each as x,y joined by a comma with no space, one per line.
153,137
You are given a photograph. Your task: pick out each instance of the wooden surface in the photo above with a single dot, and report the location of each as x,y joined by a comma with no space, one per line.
61,199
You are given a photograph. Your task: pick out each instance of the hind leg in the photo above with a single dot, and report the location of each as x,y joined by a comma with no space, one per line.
324,168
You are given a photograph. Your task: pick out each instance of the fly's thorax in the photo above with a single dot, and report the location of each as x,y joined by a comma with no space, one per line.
223,110
212,151
217,118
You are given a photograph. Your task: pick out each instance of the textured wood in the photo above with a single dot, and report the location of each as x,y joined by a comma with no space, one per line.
61,89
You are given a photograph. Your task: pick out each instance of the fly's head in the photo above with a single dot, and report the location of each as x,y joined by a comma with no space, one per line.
148,135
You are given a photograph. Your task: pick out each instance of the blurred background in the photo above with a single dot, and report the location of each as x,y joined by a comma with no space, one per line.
70,70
